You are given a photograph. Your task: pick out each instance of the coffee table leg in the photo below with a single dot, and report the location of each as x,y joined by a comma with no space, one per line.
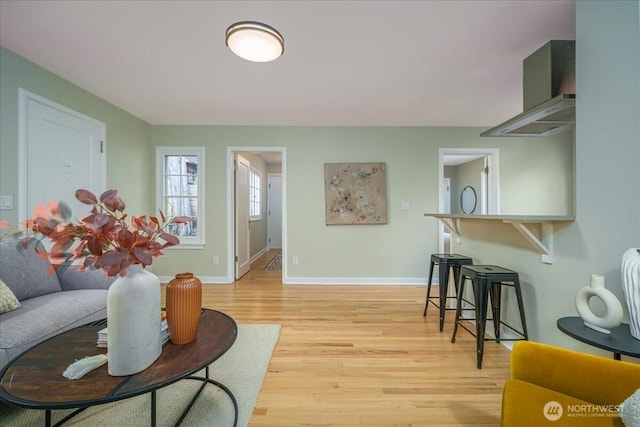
153,408
207,380
47,418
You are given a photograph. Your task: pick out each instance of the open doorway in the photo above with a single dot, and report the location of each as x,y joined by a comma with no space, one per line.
460,168
250,224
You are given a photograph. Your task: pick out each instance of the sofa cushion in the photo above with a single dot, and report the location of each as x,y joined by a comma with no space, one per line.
529,405
72,278
45,316
25,272
547,366
8,300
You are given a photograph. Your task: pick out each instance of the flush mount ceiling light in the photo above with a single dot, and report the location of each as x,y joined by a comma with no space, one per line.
254,41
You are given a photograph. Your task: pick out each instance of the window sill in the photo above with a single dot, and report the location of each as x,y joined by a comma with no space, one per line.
186,246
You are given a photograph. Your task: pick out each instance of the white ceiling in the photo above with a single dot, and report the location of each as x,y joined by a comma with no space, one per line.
459,159
384,63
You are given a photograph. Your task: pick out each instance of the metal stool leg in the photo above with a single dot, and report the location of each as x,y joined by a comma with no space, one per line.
426,304
496,293
481,292
456,278
460,290
443,288
521,308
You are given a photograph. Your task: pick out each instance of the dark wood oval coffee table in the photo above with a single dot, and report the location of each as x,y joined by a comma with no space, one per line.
34,379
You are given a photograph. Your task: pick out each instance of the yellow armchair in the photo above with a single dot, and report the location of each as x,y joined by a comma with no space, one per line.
552,386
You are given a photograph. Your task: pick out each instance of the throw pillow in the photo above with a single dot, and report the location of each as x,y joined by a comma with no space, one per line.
630,410
8,300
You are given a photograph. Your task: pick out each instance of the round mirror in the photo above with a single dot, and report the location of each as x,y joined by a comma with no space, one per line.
468,200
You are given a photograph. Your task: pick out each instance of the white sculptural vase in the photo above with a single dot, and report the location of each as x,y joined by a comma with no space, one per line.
133,322
613,307
631,288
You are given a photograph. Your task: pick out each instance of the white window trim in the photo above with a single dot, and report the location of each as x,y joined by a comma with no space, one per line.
253,171
161,151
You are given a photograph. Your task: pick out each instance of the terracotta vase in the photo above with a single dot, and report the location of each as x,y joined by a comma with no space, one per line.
133,322
184,302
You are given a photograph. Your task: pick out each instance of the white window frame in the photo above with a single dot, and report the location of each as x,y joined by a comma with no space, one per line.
186,242
253,175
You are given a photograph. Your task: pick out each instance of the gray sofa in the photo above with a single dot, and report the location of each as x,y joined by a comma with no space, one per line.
49,303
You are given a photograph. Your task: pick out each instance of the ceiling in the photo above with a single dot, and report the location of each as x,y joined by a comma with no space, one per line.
459,159
346,63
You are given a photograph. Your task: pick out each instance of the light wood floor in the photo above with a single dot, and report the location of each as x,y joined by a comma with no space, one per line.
362,355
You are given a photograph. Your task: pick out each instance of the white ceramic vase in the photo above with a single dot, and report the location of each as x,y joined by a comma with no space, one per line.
631,288
613,307
133,322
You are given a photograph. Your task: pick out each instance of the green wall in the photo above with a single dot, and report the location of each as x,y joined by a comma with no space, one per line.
129,150
391,253
607,180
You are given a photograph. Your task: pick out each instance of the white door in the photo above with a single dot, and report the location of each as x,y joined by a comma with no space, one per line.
243,256
275,211
62,151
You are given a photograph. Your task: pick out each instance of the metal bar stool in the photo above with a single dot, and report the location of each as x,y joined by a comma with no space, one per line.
487,281
445,262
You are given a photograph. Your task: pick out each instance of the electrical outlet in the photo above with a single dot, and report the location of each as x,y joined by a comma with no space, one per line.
405,206
216,260
6,202
294,260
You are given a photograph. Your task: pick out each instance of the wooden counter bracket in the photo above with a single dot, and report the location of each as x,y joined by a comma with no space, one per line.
452,226
543,245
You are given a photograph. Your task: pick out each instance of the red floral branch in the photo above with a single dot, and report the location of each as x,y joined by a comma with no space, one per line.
103,239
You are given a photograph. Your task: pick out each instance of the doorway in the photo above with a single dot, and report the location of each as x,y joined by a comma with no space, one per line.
274,159
485,177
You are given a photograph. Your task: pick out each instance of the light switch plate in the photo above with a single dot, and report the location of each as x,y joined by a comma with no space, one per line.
6,202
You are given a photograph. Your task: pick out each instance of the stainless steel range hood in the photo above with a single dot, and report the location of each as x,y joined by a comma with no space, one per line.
548,93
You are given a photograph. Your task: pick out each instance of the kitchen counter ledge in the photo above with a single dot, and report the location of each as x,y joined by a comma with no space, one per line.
544,244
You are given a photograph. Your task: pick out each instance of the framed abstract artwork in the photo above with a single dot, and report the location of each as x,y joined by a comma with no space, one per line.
355,193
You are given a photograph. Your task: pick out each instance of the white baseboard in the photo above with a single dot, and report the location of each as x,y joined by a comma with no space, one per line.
356,281
404,281
258,255
206,280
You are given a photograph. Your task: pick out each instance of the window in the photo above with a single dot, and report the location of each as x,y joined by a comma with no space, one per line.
255,195
180,190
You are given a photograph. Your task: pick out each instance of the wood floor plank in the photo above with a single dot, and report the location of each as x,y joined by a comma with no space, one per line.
362,355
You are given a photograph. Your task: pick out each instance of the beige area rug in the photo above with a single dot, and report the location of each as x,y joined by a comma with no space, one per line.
242,369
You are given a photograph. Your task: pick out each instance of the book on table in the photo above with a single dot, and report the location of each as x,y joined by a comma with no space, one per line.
164,335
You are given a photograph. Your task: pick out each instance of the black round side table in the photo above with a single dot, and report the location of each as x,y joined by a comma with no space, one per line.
619,341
